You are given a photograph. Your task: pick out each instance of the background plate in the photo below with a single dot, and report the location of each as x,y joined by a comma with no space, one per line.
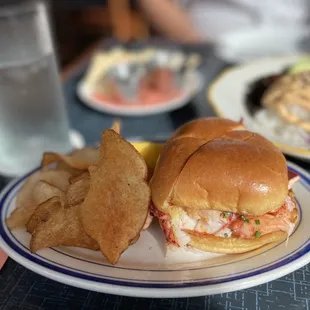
227,96
191,87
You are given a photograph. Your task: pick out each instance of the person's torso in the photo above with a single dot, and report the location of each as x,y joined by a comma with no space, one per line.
217,17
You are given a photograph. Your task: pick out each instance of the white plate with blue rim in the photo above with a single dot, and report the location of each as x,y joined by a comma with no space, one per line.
143,269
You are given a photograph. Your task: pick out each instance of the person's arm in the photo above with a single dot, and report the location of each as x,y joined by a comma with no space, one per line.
170,19
120,18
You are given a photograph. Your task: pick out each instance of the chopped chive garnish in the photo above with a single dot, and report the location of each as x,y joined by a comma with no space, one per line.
257,222
226,235
245,219
257,234
226,214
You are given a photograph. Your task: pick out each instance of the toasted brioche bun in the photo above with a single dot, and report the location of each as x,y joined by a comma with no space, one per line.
215,164
233,245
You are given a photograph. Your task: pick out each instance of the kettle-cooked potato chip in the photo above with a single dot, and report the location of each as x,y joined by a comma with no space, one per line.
87,155
43,212
82,176
44,191
77,192
116,206
27,202
79,159
63,227
116,126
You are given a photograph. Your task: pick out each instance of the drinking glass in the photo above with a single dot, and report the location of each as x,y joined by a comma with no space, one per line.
33,118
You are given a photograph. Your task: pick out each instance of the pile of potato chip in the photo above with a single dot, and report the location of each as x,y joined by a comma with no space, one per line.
95,198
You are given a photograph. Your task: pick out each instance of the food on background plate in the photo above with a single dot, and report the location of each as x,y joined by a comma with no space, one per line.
283,101
103,61
259,87
116,206
220,188
289,97
152,87
157,72
161,80
102,87
301,66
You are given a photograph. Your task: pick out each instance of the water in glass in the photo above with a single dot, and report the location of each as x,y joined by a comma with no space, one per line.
33,117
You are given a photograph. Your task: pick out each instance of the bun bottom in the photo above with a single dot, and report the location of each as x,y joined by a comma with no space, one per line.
233,245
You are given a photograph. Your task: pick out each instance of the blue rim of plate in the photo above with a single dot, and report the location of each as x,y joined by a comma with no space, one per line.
36,259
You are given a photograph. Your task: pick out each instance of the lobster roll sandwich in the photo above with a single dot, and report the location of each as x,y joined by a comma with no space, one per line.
218,187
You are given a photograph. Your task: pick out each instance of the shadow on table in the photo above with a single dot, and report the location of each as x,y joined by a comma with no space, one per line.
183,115
302,163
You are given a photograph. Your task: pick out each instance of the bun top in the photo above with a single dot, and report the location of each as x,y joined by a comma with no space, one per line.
216,164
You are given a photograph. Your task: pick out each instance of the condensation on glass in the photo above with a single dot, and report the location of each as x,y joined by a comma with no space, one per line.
33,118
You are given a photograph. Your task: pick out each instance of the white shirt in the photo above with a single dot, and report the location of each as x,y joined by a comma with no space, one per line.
213,18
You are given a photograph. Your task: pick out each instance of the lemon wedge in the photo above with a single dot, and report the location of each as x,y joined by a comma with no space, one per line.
150,152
